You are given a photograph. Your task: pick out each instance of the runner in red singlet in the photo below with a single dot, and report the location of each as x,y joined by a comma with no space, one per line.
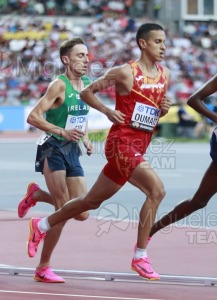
125,147
140,101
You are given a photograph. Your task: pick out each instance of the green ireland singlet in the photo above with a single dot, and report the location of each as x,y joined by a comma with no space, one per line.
73,112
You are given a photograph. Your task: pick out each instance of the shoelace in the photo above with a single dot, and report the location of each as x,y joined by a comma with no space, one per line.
146,259
49,271
42,235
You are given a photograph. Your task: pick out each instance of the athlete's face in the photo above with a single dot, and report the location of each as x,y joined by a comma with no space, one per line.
77,59
154,45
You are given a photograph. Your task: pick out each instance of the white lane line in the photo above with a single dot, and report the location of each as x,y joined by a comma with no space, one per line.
77,296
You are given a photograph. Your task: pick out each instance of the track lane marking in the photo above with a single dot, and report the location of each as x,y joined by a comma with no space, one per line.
77,296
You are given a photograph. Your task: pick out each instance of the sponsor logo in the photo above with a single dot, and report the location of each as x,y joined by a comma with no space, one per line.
40,276
26,201
137,154
144,270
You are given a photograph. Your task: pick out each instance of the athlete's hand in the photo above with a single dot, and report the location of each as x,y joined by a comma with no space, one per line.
165,106
72,134
89,147
115,116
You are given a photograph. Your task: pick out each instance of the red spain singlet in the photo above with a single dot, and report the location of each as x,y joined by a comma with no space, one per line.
126,144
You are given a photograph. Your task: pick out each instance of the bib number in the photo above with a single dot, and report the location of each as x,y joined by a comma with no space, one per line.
76,122
145,117
43,138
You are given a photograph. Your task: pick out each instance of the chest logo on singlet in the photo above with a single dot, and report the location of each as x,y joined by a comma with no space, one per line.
138,78
152,86
145,117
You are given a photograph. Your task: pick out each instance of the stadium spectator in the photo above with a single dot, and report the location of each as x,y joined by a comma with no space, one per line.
189,126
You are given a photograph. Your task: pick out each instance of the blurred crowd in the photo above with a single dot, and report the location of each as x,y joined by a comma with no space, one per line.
30,57
50,7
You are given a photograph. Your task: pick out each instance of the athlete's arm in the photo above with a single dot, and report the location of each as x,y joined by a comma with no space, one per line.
196,100
165,106
53,97
166,103
109,80
36,117
88,145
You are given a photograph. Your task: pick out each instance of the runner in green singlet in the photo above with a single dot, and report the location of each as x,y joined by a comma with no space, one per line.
64,127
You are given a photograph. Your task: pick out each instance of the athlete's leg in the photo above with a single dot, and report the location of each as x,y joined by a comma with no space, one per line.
42,196
103,189
56,183
77,187
33,195
146,179
206,190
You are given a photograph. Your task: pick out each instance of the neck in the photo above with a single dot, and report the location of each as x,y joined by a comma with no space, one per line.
76,82
150,71
73,77
149,66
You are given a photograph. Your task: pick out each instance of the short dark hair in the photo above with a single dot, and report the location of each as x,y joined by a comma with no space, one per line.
66,46
144,30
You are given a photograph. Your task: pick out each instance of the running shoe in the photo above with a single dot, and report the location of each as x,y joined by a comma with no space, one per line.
27,202
143,267
35,237
47,275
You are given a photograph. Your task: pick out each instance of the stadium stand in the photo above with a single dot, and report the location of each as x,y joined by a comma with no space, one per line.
29,46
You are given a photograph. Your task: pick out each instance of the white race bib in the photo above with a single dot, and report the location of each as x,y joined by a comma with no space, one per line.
76,122
145,117
43,138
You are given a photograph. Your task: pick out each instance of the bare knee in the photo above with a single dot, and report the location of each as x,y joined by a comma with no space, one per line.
198,203
59,203
59,199
157,195
202,204
82,217
89,204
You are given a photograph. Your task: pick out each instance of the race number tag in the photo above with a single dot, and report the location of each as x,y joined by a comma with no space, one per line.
43,138
76,122
145,117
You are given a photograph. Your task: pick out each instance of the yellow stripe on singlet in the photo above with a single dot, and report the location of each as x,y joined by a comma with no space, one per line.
155,104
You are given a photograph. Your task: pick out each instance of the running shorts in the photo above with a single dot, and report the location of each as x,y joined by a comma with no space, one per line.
122,160
61,155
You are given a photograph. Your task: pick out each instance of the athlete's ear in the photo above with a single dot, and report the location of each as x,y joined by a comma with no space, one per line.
142,43
65,59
